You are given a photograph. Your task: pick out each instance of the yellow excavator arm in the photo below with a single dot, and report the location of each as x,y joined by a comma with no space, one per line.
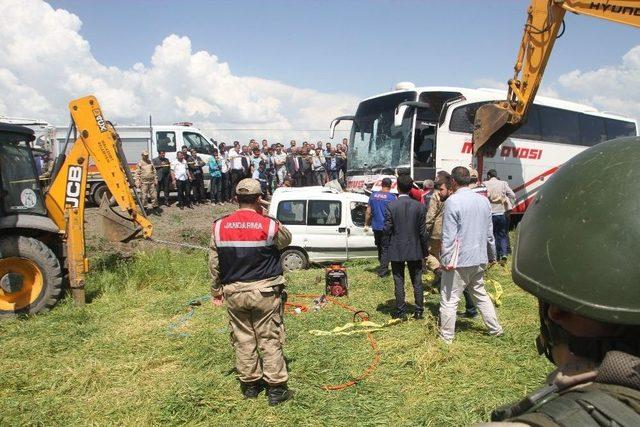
496,121
121,217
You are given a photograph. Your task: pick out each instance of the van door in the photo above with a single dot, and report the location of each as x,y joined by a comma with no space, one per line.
166,141
293,215
361,243
326,230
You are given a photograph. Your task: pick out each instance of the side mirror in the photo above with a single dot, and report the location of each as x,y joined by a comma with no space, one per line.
335,122
399,115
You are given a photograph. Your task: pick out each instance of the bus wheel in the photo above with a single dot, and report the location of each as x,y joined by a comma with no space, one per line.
30,276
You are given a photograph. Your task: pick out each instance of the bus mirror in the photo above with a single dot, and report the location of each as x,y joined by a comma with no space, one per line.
400,112
332,131
335,122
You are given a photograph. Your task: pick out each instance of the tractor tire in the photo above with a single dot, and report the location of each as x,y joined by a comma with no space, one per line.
294,259
30,276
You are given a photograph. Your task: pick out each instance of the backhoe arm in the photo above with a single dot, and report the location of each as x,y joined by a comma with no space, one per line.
496,121
65,199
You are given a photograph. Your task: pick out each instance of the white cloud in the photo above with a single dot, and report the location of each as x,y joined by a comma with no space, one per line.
612,88
45,62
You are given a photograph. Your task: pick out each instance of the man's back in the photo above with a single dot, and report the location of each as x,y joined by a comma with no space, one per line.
378,202
467,231
405,230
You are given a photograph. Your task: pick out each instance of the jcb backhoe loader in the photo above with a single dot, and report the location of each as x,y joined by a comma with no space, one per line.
42,232
545,20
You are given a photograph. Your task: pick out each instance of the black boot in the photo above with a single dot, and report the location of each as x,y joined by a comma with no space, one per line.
251,390
278,394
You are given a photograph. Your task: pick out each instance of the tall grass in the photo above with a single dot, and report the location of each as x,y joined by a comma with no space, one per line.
116,362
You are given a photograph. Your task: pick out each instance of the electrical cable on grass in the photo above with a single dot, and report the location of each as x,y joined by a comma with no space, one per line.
362,315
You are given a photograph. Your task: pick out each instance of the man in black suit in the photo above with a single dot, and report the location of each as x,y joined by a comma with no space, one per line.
406,240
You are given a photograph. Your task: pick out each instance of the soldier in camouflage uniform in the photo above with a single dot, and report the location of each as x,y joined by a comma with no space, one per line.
147,182
245,267
577,253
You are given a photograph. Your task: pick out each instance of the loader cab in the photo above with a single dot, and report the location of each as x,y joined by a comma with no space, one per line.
20,191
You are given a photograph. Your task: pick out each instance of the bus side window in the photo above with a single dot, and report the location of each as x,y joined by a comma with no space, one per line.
559,125
618,128
166,141
530,129
592,130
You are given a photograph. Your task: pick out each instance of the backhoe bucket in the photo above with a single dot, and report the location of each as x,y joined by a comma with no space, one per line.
492,126
115,225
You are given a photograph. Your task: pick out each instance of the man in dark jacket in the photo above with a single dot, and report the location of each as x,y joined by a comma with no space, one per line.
406,241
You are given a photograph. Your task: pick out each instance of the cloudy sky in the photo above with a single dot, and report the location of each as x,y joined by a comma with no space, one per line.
284,67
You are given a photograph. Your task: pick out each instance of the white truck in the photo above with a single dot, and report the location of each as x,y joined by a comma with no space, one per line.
154,138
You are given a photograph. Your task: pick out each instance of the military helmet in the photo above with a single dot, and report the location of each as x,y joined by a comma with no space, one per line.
578,244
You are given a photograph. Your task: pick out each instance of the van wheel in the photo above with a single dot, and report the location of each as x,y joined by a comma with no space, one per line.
293,259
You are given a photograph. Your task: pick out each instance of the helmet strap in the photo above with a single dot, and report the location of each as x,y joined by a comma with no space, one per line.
588,347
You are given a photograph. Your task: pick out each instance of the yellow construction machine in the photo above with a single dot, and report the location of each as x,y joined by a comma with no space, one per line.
545,21
42,244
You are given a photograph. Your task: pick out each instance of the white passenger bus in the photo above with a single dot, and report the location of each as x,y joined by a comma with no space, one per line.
428,129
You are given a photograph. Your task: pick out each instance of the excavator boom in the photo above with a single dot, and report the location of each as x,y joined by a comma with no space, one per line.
122,217
496,121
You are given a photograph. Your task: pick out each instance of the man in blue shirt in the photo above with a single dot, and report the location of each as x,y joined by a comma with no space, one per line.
467,247
374,217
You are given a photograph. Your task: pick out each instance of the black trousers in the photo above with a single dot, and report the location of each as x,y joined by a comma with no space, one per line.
184,192
197,186
298,179
164,184
415,272
225,187
236,176
383,269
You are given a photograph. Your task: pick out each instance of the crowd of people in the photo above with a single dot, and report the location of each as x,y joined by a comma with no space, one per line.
455,227
272,165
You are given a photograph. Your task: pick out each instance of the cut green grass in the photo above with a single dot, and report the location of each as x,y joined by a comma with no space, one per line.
116,362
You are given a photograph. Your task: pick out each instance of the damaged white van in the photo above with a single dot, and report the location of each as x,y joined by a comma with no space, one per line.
327,225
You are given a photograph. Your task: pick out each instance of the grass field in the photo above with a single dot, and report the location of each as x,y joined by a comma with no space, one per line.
117,362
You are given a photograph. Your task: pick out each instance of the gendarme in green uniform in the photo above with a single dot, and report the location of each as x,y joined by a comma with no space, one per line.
577,252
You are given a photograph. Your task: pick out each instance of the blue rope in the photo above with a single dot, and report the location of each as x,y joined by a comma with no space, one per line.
191,306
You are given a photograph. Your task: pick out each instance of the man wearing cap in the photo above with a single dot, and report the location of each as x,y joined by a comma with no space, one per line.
246,273
146,181
474,185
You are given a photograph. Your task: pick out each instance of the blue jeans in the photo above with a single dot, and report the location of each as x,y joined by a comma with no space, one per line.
216,189
501,234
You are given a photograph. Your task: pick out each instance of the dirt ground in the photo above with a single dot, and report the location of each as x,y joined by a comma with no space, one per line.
174,224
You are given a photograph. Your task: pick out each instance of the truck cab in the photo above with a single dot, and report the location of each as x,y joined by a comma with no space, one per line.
326,225
155,138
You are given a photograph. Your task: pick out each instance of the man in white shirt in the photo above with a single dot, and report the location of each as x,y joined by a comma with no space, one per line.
236,168
467,247
182,177
279,160
502,199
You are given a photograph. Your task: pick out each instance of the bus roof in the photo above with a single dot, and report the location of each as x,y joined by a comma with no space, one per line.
490,94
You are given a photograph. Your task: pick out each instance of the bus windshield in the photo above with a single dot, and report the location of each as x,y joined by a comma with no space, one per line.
376,143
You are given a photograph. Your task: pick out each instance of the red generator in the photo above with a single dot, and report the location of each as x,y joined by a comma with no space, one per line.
337,284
